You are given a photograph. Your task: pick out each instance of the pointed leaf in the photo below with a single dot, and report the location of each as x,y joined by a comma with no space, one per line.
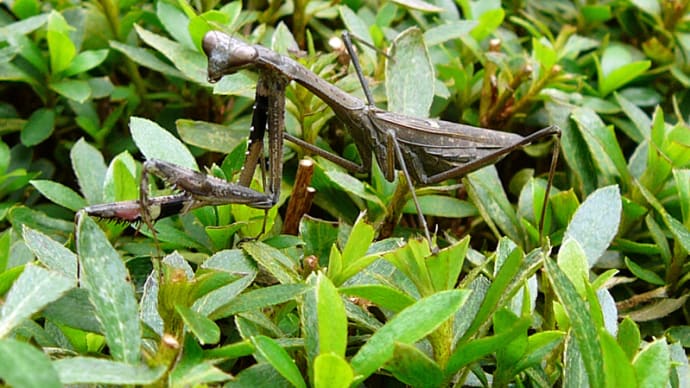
332,321
408,327
582,324
279,359
110,291
32,291
203,328
59,193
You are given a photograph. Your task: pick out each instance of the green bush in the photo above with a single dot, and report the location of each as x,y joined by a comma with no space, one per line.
598,298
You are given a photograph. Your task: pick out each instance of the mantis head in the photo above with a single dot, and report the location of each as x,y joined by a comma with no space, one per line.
226,54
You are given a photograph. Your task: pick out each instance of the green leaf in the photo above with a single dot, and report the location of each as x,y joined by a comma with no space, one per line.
445,266
89,168
649,6
61,47
380,295
279,359
682,180
361,237
407,327
412,367
212,301
408,68
203,328
191,63
332,321
85,370
629,337
596,221
23,366
644,274
275,262
332,371
175,22
617,368
582,324
157,143
539,346
23,27
474,350
448,31
485,189
38,127
50,252
573,261
146,58
354,186
110,290
85,61
120,179
442,206
74,89
257,375
638,117
653,364
31,292
603,146
260,298
617,68
59,193
514,349
679,231
212,137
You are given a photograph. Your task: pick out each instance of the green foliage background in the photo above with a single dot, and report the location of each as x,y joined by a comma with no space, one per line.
89,89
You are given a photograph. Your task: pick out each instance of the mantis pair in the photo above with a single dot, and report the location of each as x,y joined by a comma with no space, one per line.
426,151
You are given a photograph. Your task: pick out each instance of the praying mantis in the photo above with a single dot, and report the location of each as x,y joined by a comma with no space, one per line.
426,151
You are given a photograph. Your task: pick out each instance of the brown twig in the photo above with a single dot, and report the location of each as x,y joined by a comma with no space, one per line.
302,196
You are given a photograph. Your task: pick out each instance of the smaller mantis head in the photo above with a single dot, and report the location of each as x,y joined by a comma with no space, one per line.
226,54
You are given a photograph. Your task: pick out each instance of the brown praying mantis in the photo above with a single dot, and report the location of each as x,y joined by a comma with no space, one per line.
426,151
